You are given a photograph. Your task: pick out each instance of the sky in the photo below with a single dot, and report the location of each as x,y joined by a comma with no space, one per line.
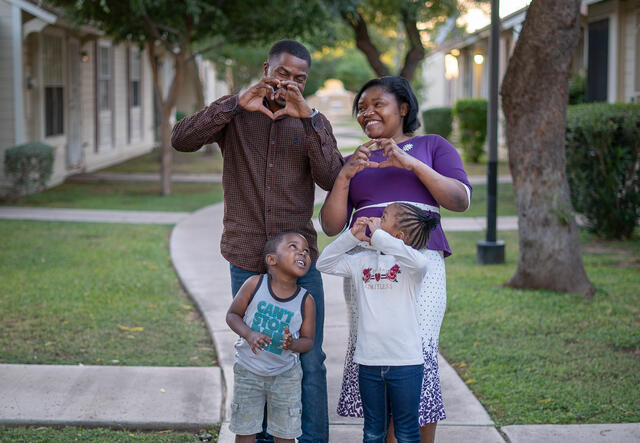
476,18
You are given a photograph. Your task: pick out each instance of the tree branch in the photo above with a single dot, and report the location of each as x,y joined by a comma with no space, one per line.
205,50
155,33
364,43
416,51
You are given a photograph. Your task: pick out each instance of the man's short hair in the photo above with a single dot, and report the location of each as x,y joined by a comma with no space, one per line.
292,47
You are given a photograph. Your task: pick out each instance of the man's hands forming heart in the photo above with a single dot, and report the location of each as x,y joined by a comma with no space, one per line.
253,98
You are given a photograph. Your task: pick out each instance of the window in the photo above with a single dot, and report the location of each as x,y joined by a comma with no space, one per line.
53,76
104,96
134,77
104,78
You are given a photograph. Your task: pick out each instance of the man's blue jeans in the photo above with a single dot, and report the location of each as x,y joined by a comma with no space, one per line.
397,386
315,415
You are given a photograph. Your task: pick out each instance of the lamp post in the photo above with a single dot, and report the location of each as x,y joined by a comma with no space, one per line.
491,251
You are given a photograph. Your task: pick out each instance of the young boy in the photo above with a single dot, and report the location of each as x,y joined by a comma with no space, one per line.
275,319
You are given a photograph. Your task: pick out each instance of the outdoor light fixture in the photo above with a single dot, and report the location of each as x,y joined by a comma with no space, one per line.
455,52
478,59
84,56
450,67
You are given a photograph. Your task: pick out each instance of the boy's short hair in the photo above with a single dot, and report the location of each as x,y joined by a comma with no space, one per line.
272,244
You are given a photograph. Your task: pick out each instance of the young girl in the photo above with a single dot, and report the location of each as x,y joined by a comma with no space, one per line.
387,275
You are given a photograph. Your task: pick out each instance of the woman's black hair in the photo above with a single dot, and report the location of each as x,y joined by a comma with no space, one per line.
416,224
401,89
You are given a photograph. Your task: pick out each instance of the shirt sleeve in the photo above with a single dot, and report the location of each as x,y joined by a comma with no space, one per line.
334,259
411,259
447,161
205,126
324,158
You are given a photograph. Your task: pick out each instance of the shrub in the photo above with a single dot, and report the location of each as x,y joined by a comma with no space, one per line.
603,166
29,166
437,121
577,89
471,114
180,115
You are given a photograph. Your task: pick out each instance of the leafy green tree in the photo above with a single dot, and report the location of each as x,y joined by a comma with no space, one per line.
381,27
179,26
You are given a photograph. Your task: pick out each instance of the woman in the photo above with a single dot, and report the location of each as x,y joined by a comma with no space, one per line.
396,166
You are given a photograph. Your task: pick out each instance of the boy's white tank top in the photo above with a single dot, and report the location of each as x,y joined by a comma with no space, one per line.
269,314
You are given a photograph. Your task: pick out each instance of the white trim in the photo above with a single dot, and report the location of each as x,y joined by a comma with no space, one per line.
18,95
614,25
34,25
34,10
466,188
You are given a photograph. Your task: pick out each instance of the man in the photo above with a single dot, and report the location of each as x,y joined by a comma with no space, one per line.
274,147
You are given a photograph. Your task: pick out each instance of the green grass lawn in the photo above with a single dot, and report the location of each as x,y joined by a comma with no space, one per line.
199,162
125,196
96,294
100,435
480,169
534,357
506,203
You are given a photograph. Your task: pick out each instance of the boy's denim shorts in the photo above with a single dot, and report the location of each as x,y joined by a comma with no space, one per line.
282,393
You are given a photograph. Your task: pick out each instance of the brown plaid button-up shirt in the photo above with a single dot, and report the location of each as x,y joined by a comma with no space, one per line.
269,170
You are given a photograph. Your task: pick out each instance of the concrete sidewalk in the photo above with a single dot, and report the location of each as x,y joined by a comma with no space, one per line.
90,215
151,398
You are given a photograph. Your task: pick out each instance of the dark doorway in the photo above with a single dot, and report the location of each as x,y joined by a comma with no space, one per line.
598,61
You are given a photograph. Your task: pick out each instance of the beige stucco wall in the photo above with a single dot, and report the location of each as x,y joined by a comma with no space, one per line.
7,136
630,52
435,92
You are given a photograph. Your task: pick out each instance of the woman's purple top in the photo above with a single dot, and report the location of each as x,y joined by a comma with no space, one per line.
387,185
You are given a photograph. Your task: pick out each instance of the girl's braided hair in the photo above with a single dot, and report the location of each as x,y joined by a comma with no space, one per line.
416,224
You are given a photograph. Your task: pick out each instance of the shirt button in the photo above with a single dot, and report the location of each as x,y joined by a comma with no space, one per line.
273,142
271,165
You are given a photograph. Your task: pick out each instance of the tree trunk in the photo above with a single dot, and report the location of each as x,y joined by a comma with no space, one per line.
534,99
167,151
166,107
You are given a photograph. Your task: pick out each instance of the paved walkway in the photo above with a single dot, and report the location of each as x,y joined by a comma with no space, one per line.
99,177
91,215
192,398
